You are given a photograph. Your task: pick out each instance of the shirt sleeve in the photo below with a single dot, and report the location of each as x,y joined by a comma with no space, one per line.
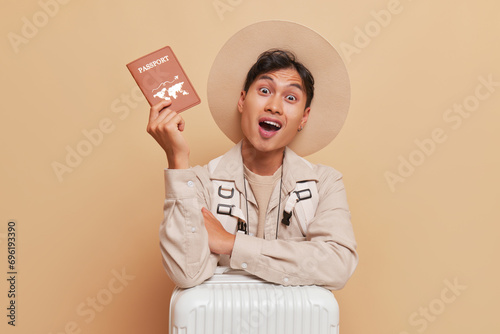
183,237
326,256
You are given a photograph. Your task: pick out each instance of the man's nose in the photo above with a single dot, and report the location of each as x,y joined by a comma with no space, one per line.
274,105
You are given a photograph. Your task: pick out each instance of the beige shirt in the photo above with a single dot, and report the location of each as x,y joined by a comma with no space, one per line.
325,256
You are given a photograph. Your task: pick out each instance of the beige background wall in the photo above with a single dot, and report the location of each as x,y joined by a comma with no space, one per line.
422,225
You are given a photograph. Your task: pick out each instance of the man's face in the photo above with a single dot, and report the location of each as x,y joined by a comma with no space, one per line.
273,109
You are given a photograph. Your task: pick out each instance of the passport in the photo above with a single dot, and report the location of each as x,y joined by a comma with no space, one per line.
160,76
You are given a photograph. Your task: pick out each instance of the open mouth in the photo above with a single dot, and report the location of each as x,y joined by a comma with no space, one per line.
270,126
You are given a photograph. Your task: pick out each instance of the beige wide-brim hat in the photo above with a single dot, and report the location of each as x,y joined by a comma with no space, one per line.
331,82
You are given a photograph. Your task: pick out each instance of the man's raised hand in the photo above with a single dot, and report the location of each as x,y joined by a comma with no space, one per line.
165,126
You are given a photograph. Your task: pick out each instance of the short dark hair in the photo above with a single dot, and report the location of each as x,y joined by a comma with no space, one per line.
276,59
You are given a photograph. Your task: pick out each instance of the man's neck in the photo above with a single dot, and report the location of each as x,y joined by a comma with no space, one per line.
261,163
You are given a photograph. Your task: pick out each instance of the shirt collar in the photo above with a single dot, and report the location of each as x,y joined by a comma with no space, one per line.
296,169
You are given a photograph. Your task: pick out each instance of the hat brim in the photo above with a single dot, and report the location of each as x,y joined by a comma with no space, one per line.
331,89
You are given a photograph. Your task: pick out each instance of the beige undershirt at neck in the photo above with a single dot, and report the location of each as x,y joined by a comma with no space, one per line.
262,187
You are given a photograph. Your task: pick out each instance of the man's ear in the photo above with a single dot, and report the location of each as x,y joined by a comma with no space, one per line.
241,101
305,116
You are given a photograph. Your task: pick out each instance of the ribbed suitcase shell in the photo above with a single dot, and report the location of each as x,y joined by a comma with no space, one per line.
238,303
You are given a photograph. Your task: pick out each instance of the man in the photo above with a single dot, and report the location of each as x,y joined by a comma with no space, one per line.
275,243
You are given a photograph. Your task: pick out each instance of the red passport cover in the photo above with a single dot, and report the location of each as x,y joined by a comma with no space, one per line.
160,76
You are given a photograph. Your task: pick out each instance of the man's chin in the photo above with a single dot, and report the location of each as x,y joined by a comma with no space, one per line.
268,148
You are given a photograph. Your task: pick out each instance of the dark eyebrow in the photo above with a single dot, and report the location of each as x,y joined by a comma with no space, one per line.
266,77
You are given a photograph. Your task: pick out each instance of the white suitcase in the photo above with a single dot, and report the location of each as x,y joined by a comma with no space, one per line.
234,302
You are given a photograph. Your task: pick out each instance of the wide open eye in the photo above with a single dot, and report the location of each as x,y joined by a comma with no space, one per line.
291,98
264,90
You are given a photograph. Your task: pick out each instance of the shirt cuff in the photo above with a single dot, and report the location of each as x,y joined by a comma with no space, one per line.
246,252
180,183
